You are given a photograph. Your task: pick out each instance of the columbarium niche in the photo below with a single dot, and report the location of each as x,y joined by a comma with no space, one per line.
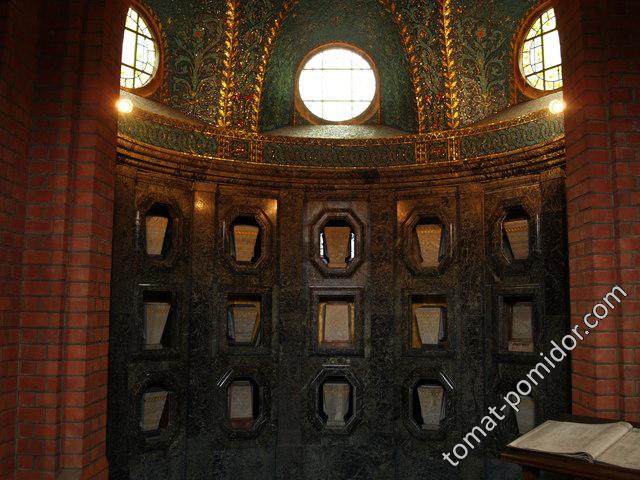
245,232
337,244
428,322
516,235
428,243
156,411
243,403
158,320
336,322
158,226
244,320
519,314
336,401
429,407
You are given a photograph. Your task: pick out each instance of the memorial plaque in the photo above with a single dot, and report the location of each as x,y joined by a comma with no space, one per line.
518,235
521,337
245,238
240,398
526,416
243,322
155,321
429,240
153,406
337,241
429,325
431,399
336,322
335,399
156,230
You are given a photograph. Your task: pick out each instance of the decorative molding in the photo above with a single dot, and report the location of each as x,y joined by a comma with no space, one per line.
414,63
267,50
228,83
231,134
452,101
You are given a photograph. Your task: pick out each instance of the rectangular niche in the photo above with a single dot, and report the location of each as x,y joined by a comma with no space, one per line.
155,410
336,322
519,315
157,320
432,406
158,226
244,320
428,322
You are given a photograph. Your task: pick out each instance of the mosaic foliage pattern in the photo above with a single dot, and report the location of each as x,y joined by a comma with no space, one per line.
483,32
481,42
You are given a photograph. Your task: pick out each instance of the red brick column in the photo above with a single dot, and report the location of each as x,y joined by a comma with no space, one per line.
17,72
601,62
58,166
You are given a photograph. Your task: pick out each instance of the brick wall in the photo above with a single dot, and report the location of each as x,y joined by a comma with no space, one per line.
601,62
57,174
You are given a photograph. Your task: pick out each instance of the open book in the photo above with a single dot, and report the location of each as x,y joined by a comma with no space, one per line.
611,443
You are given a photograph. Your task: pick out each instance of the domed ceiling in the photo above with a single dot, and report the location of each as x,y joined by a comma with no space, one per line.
455,54
445,66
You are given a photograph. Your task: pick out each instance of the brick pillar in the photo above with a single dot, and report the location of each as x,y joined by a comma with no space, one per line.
18,19
56,205
601,62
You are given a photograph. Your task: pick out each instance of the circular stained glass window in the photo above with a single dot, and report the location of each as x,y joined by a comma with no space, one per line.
337,84
139,53
540,58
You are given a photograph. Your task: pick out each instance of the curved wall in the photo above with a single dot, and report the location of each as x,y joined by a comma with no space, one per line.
204,195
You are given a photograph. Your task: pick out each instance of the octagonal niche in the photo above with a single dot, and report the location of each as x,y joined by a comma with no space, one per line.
337,242
429,407
244,398
335,400
516,235
247,237
426,243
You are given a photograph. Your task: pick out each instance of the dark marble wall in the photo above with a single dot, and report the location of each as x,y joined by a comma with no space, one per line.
289,443
482,36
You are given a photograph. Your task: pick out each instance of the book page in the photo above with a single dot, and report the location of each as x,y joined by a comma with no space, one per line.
567,438
624,453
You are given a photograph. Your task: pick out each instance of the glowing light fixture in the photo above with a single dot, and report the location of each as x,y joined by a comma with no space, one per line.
557,106
124,105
